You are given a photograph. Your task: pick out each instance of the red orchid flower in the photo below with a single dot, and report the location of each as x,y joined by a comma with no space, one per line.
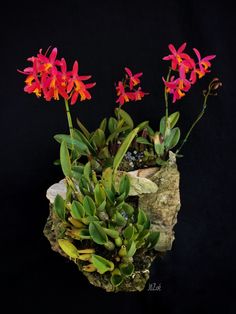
133,79
178,57
178,86
79,88
47,62
139,94
49,76
203,63
123,95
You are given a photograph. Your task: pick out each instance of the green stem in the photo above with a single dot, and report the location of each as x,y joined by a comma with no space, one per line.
195,122
69,118
166,100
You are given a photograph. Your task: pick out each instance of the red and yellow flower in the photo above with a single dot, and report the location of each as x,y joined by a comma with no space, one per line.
49,77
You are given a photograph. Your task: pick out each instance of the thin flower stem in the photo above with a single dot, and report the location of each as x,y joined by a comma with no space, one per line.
166,99
195,122
70,124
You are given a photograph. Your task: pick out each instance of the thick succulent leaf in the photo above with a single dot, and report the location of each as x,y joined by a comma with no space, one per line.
112,124
77,210
153,239
102,264
111,233
129,232
99,194
124,185
59,206
87,171
98,138
97,233
126,269
173,119
159,148
103,125
89,206
65,159
68,248
131,248
116,278
173,138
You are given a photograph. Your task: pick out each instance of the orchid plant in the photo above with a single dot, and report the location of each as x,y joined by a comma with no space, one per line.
96,214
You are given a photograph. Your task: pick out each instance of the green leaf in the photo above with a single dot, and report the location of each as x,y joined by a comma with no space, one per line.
153,239
84,234
107,178
129,232
97,233
173,119
102,206
102,264
103,125
128,209
163,125
71,143
89,206
99,194
83,128
77,210
126,269
160,162
87,170
124,115
92,218
150,131
119,220
124,185
111,233
98,138
68,248
173,138
65,159
143,219
143,125
84,185
80,137
143,140
59,207
117,131
131,249
159,149
104,153
123,148
116,278
112,124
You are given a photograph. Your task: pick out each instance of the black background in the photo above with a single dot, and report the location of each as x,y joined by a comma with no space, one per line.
198,275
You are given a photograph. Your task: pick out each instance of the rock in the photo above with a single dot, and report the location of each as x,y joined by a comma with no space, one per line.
163,206
57,188
139,183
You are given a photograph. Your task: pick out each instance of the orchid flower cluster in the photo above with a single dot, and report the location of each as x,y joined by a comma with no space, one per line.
97,225
125,88
50,77
182,63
